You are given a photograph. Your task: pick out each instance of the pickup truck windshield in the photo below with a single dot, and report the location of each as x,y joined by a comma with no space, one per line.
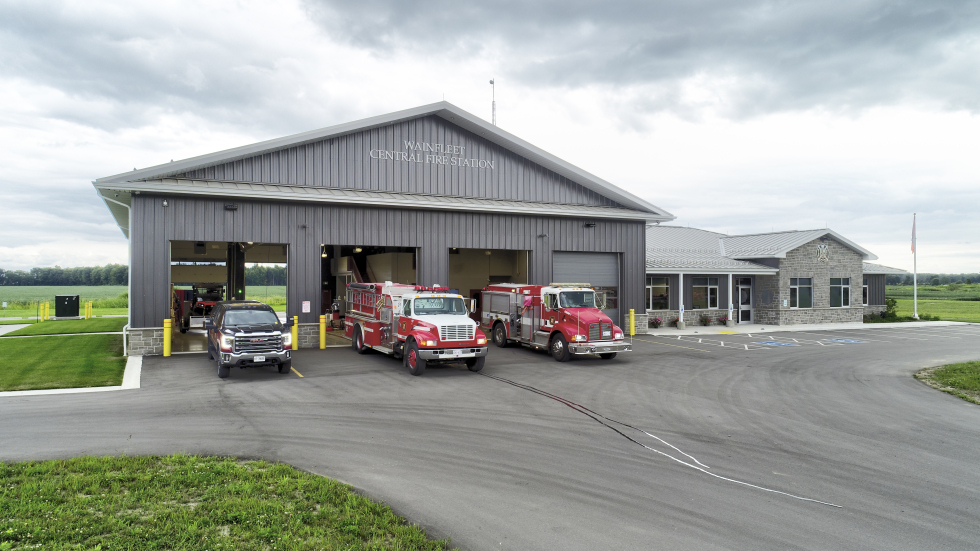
431,306
250,317
577,299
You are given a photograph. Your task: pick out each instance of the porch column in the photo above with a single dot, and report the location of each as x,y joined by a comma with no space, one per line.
680,301
731,291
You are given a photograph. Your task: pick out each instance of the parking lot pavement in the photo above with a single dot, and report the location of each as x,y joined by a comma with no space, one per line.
586,454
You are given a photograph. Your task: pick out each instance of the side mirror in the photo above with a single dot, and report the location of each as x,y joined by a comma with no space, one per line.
289,322
208,325
472,305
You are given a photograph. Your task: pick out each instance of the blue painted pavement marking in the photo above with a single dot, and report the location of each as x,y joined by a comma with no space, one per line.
845,340
774,343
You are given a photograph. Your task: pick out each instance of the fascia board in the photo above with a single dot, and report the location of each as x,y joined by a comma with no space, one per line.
118,212
442,109
695,270
263,192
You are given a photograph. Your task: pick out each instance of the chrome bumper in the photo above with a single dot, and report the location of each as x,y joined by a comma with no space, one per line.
248,358
599,347
447,353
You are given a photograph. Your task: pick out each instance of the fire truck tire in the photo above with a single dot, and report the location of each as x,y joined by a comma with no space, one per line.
415,364
357,343
499,335
475,364
285,366
223,371
608,356
559,348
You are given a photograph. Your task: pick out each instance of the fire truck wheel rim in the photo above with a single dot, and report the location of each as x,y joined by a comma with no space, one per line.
412,359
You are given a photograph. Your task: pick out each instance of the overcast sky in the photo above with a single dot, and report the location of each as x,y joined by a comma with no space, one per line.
739,117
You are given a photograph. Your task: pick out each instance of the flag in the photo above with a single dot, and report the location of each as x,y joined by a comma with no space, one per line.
913,235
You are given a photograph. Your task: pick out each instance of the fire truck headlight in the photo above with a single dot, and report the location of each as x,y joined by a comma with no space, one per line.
619,336
481,340
579,338
428,343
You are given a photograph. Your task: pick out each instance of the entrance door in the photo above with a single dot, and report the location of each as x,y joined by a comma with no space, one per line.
744,294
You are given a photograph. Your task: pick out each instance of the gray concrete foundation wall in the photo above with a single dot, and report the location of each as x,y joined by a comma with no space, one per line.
146,341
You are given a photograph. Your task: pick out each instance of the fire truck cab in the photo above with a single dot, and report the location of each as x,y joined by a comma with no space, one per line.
420,325
561,317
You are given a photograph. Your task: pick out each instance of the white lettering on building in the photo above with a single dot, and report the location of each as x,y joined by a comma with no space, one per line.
432,153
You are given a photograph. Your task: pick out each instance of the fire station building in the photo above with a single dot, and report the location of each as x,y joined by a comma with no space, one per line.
431,195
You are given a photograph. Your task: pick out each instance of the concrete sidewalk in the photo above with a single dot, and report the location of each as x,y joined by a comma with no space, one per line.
759,328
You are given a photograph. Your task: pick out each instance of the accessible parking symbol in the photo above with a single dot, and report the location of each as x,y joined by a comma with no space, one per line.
849,341
774,343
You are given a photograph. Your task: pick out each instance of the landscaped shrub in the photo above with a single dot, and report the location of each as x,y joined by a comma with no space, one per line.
656,322
704,319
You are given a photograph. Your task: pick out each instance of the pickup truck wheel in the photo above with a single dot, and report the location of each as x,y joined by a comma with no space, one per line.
499,335
357,343
559,348
475,364
285,366
608,356
223,370
415,364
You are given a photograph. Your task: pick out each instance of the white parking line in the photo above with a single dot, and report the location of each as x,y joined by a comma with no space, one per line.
835,336
791,340
713,342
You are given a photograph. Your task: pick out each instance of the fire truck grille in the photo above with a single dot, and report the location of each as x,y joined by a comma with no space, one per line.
593,331
600,331
606,331
456,332
269,343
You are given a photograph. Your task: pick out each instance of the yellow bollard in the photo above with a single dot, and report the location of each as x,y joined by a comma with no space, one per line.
91,310
295,332
47,311
632,322
40,312
323,332
167,328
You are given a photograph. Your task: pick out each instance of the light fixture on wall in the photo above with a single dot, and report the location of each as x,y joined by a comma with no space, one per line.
357,249
590,224
488,252
165,203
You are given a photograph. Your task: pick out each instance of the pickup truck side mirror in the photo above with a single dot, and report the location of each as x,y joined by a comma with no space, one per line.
208,324
289,322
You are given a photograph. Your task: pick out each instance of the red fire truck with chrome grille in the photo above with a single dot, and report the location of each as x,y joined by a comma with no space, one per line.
562,318
420,325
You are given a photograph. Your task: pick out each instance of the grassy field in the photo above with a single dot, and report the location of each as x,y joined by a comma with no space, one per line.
961,380
953,291
47,293
187,502
36,363
949,310
95,325
272,295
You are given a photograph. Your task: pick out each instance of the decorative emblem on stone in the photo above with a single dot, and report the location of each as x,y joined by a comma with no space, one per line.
823,252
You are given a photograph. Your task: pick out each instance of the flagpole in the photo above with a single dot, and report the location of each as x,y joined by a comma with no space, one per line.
915,274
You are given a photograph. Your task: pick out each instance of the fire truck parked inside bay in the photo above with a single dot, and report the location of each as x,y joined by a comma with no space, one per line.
562,317
420,325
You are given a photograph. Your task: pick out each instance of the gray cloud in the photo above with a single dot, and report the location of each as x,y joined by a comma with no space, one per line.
764,56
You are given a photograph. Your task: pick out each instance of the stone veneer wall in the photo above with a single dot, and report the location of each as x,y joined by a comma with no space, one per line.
309,335
145,342
771,291
873,309
691,317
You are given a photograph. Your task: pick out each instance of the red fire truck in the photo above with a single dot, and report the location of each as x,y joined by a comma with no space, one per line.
561,317
420,325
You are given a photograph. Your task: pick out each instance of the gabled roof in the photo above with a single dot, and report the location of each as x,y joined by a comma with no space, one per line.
126,181
870,268
777,244
672,249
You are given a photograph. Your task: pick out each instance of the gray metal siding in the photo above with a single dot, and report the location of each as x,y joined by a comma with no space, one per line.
433,232
344,162
876,289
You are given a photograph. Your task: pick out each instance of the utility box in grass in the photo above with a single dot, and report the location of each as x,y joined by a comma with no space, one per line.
66,306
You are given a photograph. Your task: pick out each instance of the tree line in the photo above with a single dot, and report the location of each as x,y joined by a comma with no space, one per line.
933,279
115,274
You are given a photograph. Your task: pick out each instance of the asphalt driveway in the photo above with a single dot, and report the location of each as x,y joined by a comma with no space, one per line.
533,461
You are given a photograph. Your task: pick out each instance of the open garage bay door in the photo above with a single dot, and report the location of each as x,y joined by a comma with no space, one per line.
599,269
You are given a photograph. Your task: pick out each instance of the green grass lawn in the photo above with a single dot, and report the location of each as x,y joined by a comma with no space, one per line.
951,291
951,310
54,327
35,363
962,379
188,502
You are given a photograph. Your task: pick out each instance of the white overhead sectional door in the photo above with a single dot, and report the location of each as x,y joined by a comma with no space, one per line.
601,270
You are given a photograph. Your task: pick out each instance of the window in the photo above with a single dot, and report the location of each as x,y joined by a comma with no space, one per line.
801,292
430,306
657,293
840,292
705,293
551,302
408,309
864,293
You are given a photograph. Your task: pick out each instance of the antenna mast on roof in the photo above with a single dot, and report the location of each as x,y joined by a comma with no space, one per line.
493,95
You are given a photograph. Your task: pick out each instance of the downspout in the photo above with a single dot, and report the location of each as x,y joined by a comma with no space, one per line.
129,270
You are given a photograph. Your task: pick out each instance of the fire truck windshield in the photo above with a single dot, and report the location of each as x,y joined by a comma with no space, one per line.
443,305
577,299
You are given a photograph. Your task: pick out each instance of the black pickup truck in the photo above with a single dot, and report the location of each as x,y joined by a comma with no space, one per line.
247,333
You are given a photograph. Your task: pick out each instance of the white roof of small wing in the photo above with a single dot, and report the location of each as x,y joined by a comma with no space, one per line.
777,244
870,268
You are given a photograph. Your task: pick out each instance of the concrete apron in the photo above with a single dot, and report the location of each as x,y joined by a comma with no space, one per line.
759,328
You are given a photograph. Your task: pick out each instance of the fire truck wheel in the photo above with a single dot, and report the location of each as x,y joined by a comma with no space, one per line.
608,356
559,348
357,343
475,364
415,364
285,366
499,335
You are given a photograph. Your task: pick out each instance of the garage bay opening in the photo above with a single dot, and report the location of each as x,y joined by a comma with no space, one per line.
470,270
341,265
